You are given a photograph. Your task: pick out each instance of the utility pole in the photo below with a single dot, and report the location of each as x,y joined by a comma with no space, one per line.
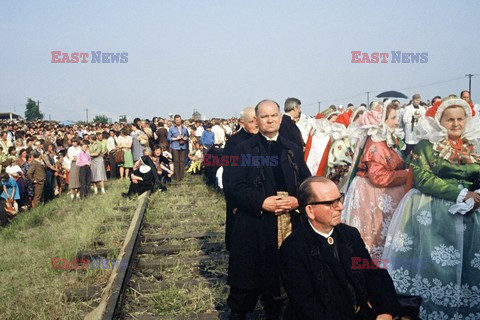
368,99
49,117
86,110
469,84
319,105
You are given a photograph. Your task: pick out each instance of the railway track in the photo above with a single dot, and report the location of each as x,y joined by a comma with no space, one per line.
175,257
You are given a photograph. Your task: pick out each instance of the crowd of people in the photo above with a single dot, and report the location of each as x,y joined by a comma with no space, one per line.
43,160
367,212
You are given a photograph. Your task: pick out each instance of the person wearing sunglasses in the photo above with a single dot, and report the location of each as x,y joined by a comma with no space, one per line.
326,269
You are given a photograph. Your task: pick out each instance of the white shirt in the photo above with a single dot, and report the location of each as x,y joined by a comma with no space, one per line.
199,131
270,139
219,135
73,152
111,143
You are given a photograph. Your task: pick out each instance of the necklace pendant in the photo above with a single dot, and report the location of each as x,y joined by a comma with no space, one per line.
330,240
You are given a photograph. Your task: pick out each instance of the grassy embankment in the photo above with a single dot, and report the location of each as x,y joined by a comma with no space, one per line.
29,287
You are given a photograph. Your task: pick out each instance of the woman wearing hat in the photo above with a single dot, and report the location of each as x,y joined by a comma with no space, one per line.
379,179
432,245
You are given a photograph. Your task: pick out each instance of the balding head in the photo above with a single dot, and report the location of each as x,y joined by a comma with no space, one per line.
321,201
269,117
248,120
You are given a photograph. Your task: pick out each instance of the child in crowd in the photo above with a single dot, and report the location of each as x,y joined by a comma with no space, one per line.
83,162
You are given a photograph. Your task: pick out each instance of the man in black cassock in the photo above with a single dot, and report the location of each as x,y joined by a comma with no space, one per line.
264,186
248,128
288,128
326,269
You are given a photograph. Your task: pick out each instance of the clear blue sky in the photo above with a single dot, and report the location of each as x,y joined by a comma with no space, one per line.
221,56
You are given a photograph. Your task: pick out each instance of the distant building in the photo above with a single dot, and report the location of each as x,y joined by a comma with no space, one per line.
196,115
9,116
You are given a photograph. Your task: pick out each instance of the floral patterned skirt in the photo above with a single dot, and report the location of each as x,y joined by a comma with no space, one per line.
434,254
370,210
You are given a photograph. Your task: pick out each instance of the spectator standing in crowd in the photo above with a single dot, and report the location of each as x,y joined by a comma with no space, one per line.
98,166
207,139
288,128
29,190
84,162
178,139
198,129
139,141
161,135
465,95
318,263
411,115
226,128
5,143
124,143
219,134
249,127
36,174
265,196
111,149
73,174
48,159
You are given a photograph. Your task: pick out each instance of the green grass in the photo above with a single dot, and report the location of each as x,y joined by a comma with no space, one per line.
29,287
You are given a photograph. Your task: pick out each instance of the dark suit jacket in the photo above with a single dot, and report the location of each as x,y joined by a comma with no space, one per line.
290,131
36,172
229,150
254,254
316,282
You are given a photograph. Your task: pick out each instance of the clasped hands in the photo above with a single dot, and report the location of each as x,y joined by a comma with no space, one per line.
476,198
280,204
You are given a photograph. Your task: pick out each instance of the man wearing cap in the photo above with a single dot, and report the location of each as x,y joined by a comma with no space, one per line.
412,113
326,269
288,127
264,186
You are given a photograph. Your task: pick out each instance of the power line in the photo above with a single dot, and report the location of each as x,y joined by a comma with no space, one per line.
407,88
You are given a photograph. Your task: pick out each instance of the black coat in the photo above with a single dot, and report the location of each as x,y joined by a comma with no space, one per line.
254,255
316,282
290,131
229,150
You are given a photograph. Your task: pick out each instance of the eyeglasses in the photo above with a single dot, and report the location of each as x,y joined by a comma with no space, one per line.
332,203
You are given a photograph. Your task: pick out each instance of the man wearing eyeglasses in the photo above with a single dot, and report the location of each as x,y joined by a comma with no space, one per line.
264,193
317,263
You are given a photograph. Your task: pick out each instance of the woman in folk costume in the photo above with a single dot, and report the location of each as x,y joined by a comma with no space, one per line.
340,154
318,145
379,179
433,241
354,125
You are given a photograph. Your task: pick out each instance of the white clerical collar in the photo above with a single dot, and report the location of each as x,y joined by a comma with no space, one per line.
325,235
270,139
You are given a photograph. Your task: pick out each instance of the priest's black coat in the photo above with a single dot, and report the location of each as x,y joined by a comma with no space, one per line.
290,131
254,255
317,284
229,150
